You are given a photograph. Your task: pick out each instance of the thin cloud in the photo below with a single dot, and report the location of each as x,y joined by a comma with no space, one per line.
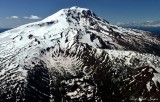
32,17
145,23
12,17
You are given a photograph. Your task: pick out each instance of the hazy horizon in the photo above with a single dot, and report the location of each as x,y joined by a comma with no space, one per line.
18,12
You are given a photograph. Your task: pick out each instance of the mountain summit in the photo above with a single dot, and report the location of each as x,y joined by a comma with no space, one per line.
74,55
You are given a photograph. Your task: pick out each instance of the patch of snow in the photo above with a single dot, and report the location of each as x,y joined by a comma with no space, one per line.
148,85
72,94
156,78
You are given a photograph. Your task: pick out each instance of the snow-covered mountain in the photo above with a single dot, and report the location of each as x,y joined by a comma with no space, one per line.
73,55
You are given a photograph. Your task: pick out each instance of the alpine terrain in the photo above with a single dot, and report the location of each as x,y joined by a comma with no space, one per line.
76,56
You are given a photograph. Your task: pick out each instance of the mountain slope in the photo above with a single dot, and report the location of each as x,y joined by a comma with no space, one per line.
73,55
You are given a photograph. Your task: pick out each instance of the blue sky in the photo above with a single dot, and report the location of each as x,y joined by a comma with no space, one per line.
17,12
